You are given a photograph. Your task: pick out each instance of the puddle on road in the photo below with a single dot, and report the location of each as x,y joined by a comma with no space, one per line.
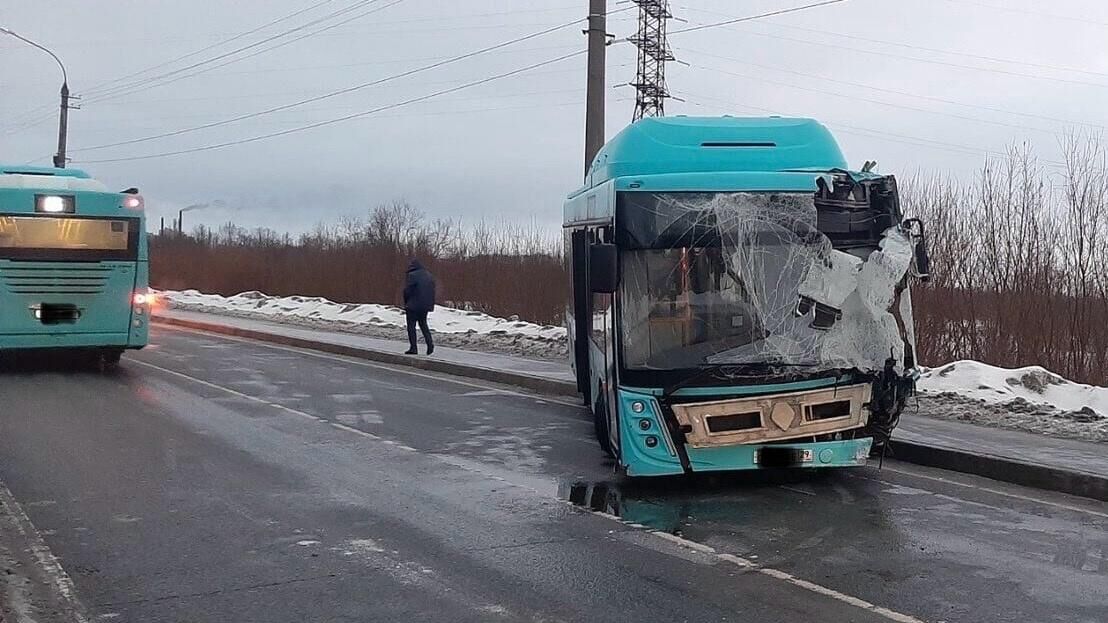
669,504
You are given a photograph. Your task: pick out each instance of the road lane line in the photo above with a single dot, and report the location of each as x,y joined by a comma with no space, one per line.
891,615
231,391
857,602
48,563
361,362
966,485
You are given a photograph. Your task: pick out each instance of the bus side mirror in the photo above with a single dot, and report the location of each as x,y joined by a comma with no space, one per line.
603,268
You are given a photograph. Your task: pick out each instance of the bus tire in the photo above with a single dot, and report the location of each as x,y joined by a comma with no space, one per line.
600,425
109,359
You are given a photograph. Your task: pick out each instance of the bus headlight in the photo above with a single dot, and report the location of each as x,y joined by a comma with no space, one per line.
638,406
55,204
143,298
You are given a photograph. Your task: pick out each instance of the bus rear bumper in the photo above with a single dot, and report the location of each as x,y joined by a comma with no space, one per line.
70,340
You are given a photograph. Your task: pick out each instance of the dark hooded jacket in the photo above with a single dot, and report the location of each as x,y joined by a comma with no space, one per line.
419,289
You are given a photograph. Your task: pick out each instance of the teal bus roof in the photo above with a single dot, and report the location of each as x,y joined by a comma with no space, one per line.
12,169
674,145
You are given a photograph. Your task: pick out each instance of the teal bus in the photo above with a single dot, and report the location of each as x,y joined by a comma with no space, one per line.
739,298
73,264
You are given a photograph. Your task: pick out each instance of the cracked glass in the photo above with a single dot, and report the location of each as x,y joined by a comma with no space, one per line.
747,278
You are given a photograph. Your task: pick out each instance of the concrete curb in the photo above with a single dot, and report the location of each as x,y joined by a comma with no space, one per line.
1006,470
1034,475
527,381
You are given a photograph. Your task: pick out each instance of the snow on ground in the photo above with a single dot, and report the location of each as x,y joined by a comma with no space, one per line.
442,320
1036,385
1032,399
452,327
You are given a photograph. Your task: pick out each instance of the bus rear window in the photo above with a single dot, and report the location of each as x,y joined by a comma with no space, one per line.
68,238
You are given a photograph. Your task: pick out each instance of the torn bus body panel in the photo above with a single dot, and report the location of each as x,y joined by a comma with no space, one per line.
798,283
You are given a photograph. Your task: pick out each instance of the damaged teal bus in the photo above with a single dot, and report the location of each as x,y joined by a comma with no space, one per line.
739,298
73,264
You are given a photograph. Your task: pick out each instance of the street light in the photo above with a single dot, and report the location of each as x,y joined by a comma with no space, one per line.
63,122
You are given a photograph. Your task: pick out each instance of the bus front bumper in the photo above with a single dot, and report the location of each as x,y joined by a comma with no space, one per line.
647,448
811,455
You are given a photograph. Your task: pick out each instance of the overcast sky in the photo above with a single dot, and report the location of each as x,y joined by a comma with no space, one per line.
928,85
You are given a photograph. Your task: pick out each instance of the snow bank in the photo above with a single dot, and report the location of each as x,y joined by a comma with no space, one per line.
442,320
1031,385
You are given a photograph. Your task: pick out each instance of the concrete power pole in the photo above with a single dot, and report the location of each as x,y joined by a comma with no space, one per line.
595,92
654,52
63,128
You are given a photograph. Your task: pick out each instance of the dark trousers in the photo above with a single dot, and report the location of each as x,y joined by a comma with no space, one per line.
419,318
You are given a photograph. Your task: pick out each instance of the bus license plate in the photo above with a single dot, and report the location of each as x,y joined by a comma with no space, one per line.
782,457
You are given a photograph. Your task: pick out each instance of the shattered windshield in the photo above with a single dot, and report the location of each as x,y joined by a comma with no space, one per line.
747,278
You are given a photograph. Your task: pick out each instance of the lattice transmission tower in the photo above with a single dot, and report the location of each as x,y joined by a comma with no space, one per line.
654,52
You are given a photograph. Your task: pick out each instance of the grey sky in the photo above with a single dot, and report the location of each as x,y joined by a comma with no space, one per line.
512,148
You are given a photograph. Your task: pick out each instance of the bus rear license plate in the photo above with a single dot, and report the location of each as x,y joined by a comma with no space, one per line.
782,457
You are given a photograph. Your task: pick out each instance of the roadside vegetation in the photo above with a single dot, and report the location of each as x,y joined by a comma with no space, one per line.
1019,262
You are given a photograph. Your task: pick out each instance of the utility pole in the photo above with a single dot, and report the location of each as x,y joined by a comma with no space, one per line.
63,127
595,92
654,52
63,121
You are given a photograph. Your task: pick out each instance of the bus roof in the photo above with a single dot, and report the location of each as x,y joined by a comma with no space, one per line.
674,145
12,169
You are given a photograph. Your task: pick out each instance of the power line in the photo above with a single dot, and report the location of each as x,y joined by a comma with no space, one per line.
874,101
880,134
358,115
331,94
171,61
238,59
996,7
896,92
739,20
145,82
923,60
33,115
899,44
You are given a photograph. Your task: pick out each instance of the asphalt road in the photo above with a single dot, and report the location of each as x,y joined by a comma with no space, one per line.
216,479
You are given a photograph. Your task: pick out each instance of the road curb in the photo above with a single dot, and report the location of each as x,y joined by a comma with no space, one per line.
527,381
1034,475
997,468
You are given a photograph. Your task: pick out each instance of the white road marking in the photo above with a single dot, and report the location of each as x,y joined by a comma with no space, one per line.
368,364
46,560
891,615
231,391
966,485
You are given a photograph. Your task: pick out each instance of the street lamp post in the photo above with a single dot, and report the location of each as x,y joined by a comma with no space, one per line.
63,121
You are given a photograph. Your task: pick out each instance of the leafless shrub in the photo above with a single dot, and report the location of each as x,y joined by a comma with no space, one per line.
502,269
1019,263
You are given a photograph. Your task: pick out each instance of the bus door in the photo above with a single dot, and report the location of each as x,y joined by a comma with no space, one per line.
602,279
579,240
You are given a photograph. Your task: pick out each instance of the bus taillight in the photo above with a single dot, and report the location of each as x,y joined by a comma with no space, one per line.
144,298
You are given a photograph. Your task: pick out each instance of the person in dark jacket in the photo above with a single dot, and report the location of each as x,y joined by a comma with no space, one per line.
419,300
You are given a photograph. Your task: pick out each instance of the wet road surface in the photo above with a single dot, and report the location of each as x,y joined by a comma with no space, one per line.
217,479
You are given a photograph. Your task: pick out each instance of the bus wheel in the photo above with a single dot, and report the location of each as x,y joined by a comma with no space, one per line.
109,359
600,425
